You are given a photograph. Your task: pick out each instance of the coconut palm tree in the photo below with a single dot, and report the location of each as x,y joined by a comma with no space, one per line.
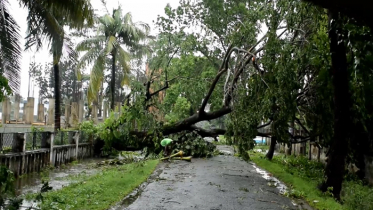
117,36
46,21
10,52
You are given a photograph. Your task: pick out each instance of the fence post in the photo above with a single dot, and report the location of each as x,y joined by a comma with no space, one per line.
77,137
51,149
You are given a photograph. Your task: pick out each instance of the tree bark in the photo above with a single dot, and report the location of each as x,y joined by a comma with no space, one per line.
112,84
271,150
290,145
335,166
57,97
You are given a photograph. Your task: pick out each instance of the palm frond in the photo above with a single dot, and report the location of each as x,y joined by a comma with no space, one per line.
111,43
106,20
76,13
46,19
123,58
87,59
97,75
90,43
10,50
125,80
43,25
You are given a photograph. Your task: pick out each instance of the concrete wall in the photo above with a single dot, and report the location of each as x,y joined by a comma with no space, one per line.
21,161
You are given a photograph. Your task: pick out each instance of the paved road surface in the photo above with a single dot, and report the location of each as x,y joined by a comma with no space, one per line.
218,183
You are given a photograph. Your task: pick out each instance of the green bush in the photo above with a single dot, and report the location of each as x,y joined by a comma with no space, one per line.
7,191
357,196
301,166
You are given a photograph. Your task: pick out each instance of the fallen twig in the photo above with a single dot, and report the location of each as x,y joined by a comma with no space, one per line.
172,202
266,201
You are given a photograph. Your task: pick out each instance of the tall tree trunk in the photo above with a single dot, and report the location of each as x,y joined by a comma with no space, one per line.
74,89
335,166
290,145
57,97
112,84
271,150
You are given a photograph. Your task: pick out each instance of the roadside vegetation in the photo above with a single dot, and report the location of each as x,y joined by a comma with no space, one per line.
288,70
302,177
99,191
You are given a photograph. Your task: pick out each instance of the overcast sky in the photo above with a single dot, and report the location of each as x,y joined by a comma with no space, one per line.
142,10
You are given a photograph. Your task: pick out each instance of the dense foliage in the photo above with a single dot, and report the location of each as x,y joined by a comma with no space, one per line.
273,68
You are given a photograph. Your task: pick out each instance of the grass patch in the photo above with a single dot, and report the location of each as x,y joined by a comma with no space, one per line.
297,176
263,147
102,190
302,177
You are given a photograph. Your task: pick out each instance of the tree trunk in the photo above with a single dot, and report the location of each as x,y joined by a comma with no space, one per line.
290,145
112,84
271,150
74,90
335,166
57,97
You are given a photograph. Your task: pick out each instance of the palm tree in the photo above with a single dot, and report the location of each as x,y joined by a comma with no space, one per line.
113,31
10,52
46,20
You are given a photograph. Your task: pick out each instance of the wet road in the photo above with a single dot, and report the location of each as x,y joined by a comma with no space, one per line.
221,182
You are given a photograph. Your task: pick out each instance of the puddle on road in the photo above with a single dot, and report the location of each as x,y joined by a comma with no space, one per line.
280,186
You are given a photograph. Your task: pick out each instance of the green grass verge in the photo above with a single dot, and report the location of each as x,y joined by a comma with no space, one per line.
303,187
262,147
102,190
303,176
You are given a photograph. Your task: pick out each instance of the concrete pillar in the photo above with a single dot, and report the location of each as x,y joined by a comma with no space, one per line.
9,109
5,115
76,138
24,112
94,113
105,110
41,112
81,110
67,112
17,99
74,114
30,110
51,152
50,119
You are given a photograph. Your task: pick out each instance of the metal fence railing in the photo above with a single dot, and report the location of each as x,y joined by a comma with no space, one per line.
6,142
65,137
37,140
84,137
33,140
